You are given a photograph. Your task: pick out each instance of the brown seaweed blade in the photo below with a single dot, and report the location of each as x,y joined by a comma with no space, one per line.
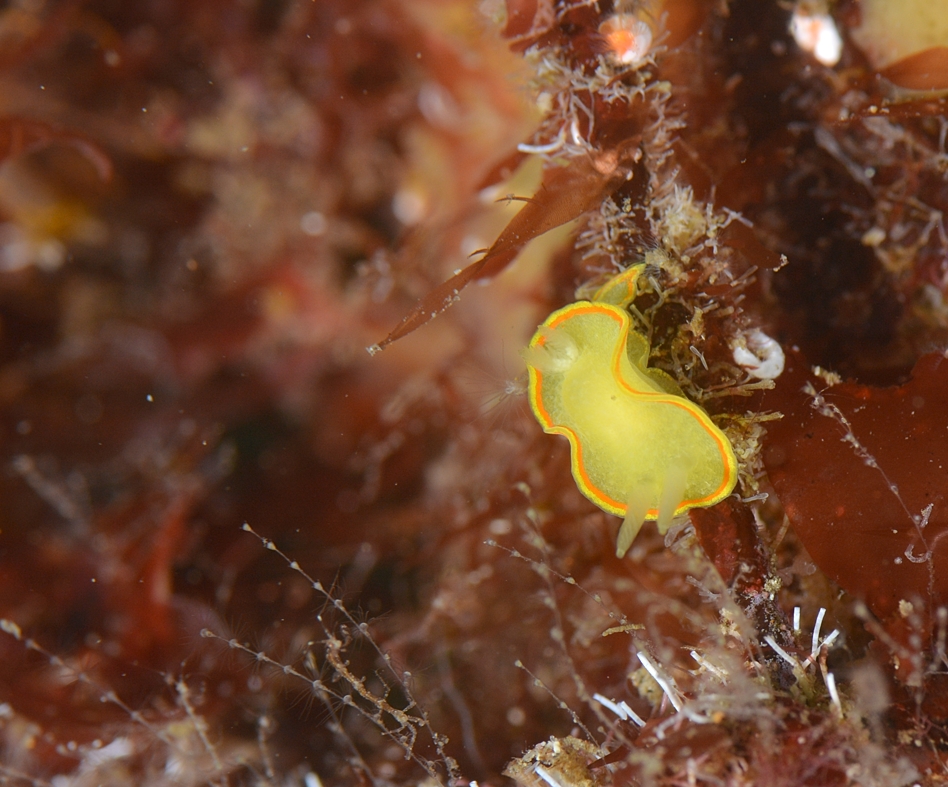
861,473
565,194
925,70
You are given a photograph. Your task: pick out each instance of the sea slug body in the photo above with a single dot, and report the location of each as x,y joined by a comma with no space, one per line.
640,449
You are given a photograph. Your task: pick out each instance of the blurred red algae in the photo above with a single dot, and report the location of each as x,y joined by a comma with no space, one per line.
178,374
183,351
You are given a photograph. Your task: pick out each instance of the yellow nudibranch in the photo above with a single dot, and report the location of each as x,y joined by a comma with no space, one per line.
640,449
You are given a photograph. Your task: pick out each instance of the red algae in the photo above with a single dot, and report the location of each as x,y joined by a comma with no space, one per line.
870,510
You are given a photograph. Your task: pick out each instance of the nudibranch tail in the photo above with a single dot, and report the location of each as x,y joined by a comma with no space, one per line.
635,513
670,497
673,492
640,449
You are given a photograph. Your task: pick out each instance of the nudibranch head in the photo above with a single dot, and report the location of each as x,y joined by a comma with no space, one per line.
621,289
640,449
